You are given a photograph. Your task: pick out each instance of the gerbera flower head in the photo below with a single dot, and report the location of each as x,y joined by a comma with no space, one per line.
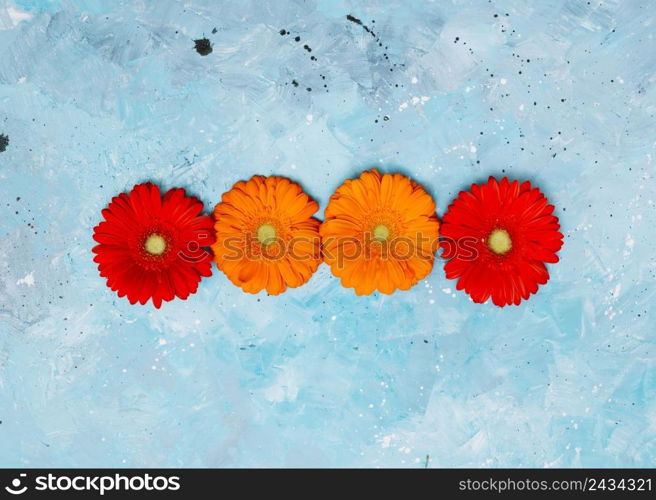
498,237
266,237
150,246
380,233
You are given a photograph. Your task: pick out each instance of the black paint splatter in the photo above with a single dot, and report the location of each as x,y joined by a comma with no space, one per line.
4,142
307,48
355,20
298,39
359,22
203,46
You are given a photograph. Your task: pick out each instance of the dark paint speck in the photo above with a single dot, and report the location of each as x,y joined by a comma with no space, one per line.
203,46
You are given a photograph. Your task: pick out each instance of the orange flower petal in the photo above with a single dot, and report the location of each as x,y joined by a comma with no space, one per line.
380,233
253,261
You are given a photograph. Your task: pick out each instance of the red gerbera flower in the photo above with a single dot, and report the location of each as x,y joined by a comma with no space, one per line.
151,245
498,237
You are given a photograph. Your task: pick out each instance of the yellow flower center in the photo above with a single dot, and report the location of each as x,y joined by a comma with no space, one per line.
266,234
499,241
155,244
381,232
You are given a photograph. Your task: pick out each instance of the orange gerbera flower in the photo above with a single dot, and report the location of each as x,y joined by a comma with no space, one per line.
380,233
266,237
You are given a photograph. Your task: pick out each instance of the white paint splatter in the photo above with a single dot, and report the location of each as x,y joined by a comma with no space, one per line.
27,280
17,16
417,100
630,242
617,290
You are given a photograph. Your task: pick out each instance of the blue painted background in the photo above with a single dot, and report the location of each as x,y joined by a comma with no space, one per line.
96,96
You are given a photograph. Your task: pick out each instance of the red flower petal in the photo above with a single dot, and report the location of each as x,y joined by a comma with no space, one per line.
150,246
521,217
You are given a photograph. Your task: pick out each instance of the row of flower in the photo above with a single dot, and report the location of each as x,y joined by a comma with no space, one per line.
380,232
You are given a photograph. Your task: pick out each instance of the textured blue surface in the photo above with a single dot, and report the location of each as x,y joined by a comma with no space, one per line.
96,96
